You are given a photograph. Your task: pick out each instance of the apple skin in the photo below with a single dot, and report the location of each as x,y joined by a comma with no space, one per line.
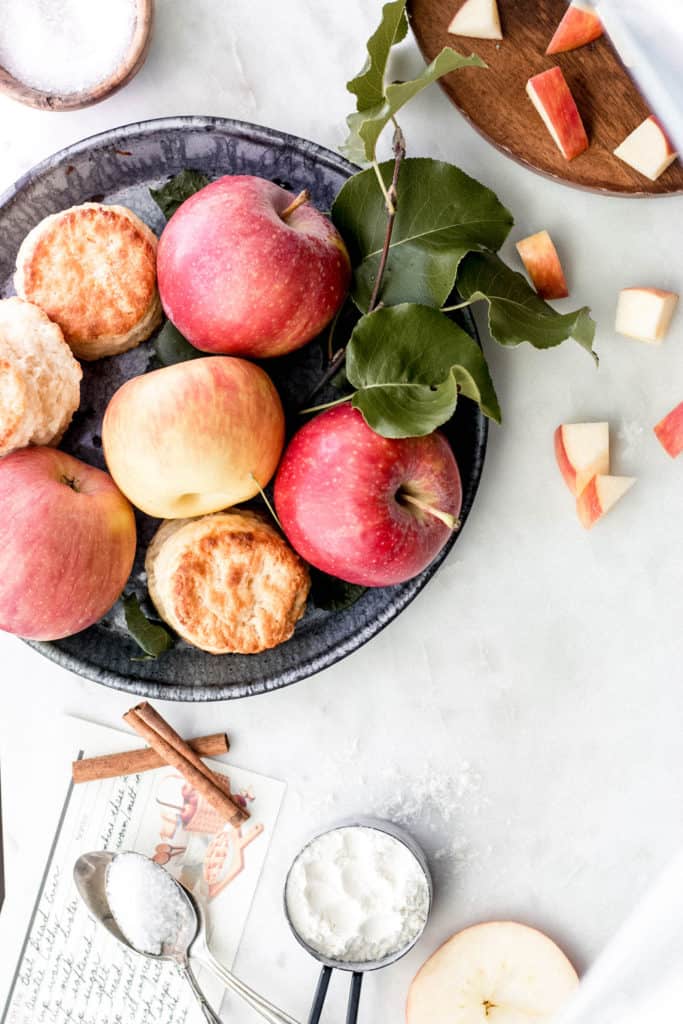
335,496
542,263
555,104
237,279
669,432
67,544
185,440
579,26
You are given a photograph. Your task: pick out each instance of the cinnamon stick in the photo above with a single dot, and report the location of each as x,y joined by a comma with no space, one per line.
132,762
156,731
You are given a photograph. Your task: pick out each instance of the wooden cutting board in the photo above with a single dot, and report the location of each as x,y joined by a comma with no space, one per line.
494,101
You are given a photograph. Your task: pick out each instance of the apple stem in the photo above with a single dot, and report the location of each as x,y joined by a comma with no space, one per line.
326,405
267,502
445,517
302,198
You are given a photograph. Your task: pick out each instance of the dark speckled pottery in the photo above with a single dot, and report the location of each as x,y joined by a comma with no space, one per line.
119,166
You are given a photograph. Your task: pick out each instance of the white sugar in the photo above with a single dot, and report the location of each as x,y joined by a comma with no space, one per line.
64,46
145,902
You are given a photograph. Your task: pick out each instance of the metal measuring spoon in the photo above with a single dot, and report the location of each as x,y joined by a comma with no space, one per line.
90,875
358,969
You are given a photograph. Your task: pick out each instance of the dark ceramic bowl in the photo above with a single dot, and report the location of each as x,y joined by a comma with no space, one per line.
119,166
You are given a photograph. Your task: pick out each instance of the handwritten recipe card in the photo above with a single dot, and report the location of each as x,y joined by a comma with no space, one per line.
66,968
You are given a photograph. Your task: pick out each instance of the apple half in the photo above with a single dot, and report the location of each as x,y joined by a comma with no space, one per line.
647,149
669,432
579,26
477,19
645,313
552,98
502,971
539,256
582,452
599,496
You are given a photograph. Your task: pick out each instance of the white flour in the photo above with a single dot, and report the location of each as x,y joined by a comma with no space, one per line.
145,902
357,894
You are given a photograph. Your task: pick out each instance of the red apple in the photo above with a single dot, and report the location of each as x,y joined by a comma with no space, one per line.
244,270
669,431
477,19
553,100
647,149
582,452
645,313
362,507
67,543
580,25
599,496
543,266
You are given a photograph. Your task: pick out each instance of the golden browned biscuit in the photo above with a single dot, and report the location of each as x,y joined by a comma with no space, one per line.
40,381
92,268
227,583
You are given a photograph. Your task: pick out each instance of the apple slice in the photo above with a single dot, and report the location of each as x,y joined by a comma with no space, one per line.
501,971
580,25
647,149
645,313
598,497
478,19
543,266
553,100
582,452
669,431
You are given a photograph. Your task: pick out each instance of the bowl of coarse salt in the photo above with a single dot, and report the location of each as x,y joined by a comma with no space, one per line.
66,54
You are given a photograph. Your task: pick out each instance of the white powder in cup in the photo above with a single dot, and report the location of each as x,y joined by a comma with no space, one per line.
357,894
145,902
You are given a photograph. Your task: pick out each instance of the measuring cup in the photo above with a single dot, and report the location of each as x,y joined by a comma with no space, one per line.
358,969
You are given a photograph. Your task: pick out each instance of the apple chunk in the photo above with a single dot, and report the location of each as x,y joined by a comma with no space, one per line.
647,149
582,452
645,313
599,496
477,19
669,431
539,256
553,100
579,26
502,971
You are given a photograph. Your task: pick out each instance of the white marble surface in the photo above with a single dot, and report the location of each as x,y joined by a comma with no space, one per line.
540,671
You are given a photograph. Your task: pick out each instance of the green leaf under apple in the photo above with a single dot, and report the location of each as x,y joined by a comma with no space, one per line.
179,188
151,637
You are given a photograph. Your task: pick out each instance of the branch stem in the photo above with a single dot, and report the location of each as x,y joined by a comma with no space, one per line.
326,405
460,305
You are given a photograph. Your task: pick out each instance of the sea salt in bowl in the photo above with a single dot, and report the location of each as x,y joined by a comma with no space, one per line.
39,63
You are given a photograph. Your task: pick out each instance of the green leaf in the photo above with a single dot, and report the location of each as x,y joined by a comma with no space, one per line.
151,637
441,215
367,124
174,193
368,85
332,594
408,363
516,313
171,347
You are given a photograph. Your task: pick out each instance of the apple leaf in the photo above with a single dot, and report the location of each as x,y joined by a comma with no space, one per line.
408,363
331,594
441,215
171,347
151,637
368,85
367,124
174,193
516,313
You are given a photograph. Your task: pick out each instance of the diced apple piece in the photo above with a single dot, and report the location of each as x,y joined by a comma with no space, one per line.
647,149
645,313
582,452
543,266
477,19
599,496
553,100
669,432
580,25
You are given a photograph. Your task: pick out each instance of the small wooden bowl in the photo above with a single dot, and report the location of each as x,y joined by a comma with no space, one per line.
127,69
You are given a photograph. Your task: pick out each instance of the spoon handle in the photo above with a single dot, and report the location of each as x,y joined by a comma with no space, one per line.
265,1009
209,1015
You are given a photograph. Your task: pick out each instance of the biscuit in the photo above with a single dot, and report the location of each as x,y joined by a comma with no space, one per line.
92,268
227,582
40,381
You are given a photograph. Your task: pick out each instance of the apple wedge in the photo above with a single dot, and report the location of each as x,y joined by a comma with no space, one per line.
477,19
669,432
539,256
553,100
599,496
579,26
645,313
582,452
501,971
647,149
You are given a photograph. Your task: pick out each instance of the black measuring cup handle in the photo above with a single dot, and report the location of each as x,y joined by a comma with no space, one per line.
319,997
354,998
